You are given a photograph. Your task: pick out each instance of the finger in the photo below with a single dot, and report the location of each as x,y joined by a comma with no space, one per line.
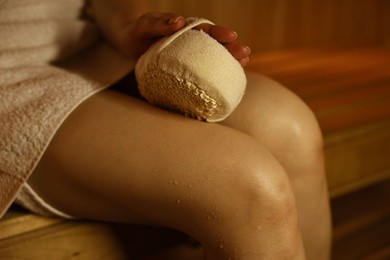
219,33
244,61
238,51
152,25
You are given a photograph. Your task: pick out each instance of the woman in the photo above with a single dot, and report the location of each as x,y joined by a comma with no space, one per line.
250,187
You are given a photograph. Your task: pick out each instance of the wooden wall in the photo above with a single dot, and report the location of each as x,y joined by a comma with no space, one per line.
265,24
385,16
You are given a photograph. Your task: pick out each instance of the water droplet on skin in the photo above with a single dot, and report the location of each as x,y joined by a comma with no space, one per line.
212,215
175,182
221,246
178,201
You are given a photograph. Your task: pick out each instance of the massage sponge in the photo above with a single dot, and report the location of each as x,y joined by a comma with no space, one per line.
192,73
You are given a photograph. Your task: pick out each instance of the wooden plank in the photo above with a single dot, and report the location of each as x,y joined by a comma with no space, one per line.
340,118
344,87
333,59
330,82
361,224
86,240
65,241
350,96
363,241
15,223
382,252
358,157
364,207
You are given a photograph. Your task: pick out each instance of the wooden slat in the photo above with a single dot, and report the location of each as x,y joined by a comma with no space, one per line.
361,224
350,96
335,82
86,240
346,87
354,116
16,223
292,61
357,158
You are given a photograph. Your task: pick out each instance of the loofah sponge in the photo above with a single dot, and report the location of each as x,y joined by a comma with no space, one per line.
192,73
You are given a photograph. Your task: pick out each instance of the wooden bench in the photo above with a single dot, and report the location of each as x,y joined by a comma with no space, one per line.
27,236
349,91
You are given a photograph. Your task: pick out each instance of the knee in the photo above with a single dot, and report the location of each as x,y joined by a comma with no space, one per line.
289,126
263,188
255,182
259,200
249,176
265,193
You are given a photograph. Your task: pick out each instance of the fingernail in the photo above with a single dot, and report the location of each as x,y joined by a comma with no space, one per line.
244,61
248,50
175,20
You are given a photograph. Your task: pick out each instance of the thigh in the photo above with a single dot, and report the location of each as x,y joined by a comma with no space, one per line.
117,158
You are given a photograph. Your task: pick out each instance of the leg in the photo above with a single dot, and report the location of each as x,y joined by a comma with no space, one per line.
279,120
118,159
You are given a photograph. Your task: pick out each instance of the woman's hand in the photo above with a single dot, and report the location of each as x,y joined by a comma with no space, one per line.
152,26
134,36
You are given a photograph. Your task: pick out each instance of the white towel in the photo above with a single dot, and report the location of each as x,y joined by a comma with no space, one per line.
50,62
192,73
